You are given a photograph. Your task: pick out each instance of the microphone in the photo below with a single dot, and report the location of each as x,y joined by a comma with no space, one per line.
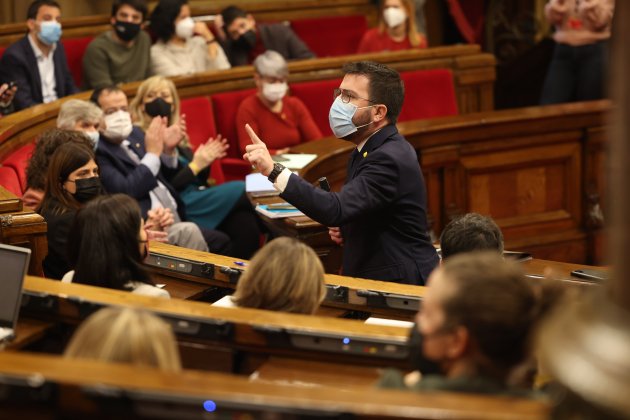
323,184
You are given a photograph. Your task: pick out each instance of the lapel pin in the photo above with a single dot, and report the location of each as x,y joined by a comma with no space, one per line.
365,154
137,145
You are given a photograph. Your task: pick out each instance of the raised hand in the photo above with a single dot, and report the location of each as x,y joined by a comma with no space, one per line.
257,154
173,135
335,235
154,136
214,148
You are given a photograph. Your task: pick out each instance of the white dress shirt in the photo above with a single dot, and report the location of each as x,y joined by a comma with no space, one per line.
46,67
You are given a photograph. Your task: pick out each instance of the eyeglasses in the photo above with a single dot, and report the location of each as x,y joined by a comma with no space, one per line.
346,96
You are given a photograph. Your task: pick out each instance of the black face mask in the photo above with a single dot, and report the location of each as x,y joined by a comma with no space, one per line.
416,356
158,108
87,189
247,41
127,31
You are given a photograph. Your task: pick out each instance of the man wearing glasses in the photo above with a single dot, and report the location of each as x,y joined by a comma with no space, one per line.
381,209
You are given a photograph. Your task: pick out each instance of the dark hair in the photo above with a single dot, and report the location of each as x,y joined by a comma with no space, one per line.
67,158
496,304
471,232
96,94
386,87
231,13
103,245
33,9
139,5
46,145
163,18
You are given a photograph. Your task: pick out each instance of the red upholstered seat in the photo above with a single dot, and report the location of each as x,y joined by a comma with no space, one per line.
75,48
225,107
201,126
9,180
18,161
428,94
2,51
317,96
331,36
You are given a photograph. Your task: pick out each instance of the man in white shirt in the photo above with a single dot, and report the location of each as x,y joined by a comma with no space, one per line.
37,63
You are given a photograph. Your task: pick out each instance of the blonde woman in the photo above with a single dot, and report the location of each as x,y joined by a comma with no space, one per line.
223,207
125,335
396,30
285,275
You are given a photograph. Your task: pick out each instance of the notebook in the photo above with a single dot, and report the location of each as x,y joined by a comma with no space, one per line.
14,262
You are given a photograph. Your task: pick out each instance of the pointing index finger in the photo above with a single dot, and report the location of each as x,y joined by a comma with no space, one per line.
253,135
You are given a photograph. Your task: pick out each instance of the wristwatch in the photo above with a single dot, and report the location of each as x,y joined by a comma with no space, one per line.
277,168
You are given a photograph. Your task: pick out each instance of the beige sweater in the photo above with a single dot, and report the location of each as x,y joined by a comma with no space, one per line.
168,59
580,22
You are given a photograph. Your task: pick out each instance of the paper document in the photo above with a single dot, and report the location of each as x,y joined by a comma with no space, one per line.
258,185
294,160
388,322
275,213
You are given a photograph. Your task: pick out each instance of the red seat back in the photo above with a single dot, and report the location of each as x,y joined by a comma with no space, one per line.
317,96
2,51
75,48
18,161
428,94
199,118
331,36
10,181
225,107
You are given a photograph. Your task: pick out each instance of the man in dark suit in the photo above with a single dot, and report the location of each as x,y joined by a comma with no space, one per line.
243,40
37,63
381,209
133,163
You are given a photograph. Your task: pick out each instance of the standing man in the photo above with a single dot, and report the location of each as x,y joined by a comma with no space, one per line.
381,209
123,54
37,63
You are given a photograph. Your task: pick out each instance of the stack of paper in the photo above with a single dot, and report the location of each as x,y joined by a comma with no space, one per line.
294,160
259,186
278,213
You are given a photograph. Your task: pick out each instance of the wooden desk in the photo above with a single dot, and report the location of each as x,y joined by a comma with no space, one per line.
173,394
29,331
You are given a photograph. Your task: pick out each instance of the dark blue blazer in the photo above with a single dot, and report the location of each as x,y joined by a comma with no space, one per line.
381,210
19,65
120,174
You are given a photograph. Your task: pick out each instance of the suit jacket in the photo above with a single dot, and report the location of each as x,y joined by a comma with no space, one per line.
19,64
278,37
381,211
120,174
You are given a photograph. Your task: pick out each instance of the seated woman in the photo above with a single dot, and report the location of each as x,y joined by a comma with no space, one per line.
126,335
72,180
475,322
396,29
107,244
284,121
224,207
82,116
285,275
183,46
37,169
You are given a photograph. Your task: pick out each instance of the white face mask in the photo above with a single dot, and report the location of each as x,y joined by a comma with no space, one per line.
93,136
185,28
394,16
273,92
118,125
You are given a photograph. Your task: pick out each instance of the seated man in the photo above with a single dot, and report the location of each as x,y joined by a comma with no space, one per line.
123,54
244,40
135,166
471,232
37,63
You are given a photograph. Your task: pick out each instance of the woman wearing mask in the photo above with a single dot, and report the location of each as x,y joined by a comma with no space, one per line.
283,120
223,207
396,30
183,46
107,244
82,116
72,181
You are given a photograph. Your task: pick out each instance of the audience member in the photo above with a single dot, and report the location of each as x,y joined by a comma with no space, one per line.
224,207
82,116
243,39
396,30
37,169
471,232
37,63
122,54
107,244
133,163
285,275
476,321
183,46
282,119
6,99
126,335
577,69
